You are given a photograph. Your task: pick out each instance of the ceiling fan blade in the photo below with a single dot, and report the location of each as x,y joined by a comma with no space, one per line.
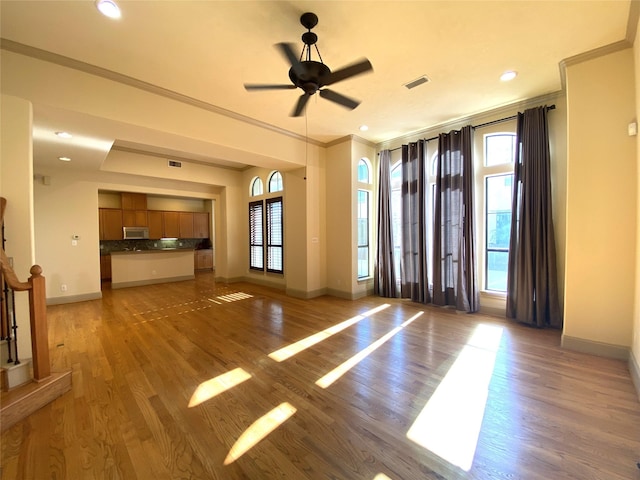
358,68
302,102
339,98
266,86
287,50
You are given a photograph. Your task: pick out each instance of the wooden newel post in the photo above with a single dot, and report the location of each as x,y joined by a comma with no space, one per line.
38,317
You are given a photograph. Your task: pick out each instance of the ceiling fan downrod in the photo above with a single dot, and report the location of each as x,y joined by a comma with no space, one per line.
308,21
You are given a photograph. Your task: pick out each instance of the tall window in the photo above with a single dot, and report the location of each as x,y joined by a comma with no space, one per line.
274,234
499,153
363,215
266,226
256,236
363,233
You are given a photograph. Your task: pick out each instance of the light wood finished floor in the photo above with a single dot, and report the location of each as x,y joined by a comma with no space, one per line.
410,403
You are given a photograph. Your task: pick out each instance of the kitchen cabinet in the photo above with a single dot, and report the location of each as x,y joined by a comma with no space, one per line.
134,209
134,201
171,224
203,259
186,224
156,228
110,223
134,218
105,267
201,225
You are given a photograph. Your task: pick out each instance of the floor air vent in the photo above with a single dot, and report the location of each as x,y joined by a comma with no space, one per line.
174,164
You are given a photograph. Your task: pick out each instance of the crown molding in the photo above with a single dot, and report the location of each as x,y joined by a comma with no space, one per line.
61,60
591,55
481,117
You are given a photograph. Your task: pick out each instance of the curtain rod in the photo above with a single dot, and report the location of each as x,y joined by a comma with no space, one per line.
493,122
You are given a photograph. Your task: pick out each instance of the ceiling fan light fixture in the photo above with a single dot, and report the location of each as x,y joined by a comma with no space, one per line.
508,75
108,8
64,135
64,159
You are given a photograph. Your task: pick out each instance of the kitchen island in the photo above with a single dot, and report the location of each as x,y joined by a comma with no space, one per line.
144,267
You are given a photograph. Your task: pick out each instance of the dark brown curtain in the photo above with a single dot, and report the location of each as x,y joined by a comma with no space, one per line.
454,253
532,286
385,275
415,281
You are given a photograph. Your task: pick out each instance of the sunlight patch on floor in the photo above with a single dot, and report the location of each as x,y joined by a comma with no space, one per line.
449,424
381,476
295,348
234,297
259,430
344,367
215,386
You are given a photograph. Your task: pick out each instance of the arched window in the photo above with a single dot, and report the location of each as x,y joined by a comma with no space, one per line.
275,182
364,171
497,170
266,227
256,187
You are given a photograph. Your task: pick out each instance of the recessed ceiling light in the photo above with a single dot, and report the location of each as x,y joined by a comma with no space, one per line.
64,159
364,128
64,135
108,8
508,75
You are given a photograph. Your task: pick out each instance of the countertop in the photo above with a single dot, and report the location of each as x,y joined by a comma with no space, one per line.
152,250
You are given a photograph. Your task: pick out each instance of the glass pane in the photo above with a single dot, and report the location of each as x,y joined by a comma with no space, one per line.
363,262
256,187
275,182
363,172
497,271
499,149
498,221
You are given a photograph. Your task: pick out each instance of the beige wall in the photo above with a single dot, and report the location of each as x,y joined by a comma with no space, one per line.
601,203
340,239
635,347
16,173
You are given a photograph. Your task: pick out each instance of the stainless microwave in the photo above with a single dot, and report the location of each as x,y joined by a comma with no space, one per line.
135,233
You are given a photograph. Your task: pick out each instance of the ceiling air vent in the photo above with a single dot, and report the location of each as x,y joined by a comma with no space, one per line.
416,82
174,164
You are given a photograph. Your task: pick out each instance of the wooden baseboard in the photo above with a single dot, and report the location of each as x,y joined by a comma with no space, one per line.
595,348
22,401
74,298
634,369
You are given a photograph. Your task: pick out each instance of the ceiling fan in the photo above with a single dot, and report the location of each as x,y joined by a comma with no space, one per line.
312,76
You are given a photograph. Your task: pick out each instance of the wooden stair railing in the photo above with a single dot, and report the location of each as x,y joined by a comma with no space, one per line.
37,308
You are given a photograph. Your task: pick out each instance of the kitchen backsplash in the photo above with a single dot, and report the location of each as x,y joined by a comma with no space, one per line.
108,246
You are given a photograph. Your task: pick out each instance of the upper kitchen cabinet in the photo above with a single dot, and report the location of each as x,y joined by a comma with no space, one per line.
134,209
134,218
171,224
186,224
134,201
110,223
201,225
156,227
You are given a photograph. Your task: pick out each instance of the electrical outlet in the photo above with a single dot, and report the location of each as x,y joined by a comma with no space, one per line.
63,288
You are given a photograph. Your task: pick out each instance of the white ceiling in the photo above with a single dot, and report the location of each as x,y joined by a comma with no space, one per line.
207,50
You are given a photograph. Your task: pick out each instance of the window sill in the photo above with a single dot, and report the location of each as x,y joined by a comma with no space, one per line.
493,294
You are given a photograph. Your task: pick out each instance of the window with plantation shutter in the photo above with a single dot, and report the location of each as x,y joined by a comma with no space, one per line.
256,235
274,235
